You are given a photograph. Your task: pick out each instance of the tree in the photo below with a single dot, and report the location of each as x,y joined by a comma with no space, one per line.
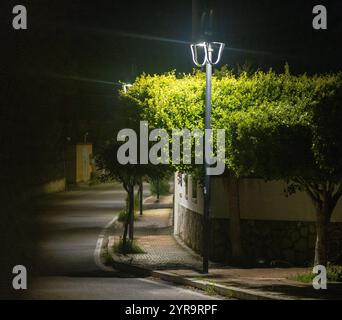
132,173
128,175
296,138
278,127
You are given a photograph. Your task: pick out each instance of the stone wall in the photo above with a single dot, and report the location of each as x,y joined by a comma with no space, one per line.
282,241
189,229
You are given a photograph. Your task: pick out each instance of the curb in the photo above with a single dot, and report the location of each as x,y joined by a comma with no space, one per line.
228,291
100,245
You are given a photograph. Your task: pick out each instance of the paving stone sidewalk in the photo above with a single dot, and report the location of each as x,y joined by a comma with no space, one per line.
165,254
161,250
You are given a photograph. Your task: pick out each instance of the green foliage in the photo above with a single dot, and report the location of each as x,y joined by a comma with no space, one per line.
129,175
278,126
95,178
106,258
334,274
306,277
131,247
123,214
106,160
164,187
211,290
136,202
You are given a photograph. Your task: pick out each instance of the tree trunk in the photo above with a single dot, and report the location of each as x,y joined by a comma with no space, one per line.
232,187
124,237
323,214
131,213
141,197
158,190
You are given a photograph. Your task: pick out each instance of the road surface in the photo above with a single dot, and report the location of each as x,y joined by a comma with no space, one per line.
70,223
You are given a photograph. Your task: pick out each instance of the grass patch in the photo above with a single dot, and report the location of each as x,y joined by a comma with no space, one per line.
129,247
211,290
107,259
334,274
304,277
123,214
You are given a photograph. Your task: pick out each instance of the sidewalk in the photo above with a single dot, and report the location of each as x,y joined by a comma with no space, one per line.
164,202
153,234
166,257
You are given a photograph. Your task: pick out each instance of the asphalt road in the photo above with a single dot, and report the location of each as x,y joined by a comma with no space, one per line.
65,268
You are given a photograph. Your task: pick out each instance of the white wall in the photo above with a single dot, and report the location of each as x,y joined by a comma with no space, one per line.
259,200
180,198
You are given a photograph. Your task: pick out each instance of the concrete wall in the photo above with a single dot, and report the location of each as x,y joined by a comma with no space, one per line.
83,162
78,164
273,227
259,200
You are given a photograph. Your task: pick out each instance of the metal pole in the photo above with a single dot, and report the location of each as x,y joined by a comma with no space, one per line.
208,62
206,213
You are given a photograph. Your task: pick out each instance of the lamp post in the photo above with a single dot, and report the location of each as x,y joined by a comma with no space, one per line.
207,49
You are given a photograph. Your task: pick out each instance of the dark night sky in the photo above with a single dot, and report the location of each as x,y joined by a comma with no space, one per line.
116,40
83,37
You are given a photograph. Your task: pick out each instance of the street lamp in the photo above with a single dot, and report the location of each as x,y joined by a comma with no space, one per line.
207,51
125,86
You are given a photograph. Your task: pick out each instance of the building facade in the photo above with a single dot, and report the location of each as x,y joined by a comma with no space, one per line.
273,228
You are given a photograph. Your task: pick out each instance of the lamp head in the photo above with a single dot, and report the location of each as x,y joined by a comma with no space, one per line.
126,86
208,49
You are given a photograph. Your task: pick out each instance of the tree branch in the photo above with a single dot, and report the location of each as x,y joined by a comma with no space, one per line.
337,194
314,194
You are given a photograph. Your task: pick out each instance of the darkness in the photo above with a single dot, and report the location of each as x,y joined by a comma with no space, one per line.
59,78
105,39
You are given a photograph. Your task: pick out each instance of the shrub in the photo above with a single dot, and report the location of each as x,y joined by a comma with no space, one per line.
129,247
164,187
123,216
334,274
